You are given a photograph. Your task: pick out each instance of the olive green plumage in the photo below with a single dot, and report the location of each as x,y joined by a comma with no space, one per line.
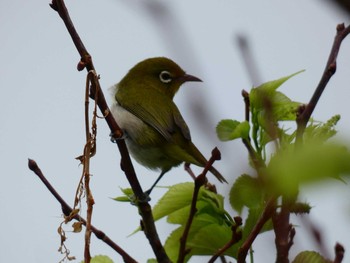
156,134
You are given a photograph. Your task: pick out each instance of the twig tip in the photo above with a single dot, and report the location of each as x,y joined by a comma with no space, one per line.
216,155
32,164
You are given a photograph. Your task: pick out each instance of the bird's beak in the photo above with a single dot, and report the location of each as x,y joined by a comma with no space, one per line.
188,77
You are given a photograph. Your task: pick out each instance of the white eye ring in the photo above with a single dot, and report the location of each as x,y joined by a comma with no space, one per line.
165,76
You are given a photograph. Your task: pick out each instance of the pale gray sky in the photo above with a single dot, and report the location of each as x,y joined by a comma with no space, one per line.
42,106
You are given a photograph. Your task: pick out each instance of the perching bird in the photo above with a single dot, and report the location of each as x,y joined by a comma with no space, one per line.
156,134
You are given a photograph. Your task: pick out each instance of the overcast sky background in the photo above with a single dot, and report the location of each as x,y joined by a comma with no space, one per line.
42,107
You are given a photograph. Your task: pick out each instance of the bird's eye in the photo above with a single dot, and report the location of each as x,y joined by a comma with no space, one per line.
165,76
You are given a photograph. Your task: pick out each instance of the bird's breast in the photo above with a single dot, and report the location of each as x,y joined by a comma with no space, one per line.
128,122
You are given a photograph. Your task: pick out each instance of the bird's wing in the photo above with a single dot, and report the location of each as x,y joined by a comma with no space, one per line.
159,111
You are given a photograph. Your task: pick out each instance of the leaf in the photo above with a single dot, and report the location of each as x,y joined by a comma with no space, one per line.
310,257
127,197
273,85
267,104
311,162
246,191
177,201
176,198
321,131
254,215
201,240
77,227
100,259
228,130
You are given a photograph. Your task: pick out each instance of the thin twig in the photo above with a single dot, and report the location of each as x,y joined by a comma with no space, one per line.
339,253
248,59
236,237
265,216
331,66
144,207
198,183
67,210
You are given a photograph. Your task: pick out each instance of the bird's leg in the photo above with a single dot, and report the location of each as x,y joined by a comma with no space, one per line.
148,192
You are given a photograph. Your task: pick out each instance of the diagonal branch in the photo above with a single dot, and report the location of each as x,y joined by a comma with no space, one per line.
144,207
198,183
265,216
329,71
67,210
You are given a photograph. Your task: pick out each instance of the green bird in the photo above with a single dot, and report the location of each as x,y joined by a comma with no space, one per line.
156,134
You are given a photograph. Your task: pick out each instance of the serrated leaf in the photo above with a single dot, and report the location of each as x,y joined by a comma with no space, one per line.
321,131
275,84
310,257
254,215
228,130
269,105
246,191
176,198
201,240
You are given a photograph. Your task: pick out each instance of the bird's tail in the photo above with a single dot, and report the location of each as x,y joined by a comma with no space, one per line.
218,175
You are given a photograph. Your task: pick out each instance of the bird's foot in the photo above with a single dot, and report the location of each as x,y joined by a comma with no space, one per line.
117,136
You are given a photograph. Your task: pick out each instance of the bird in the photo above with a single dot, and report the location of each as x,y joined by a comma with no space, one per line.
155,132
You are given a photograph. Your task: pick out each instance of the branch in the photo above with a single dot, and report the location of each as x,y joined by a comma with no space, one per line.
236,236
198,182
265,216
331,66
67,210
144,207
339,253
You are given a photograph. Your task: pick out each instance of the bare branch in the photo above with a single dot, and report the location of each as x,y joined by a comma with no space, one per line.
331,66
198,183
339,253
144,207
265,216
67,210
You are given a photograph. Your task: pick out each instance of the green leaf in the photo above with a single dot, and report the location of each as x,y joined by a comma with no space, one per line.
275,84
228,130
177,201
321,131
310,257
254,215
310,162
201,240
176,198
127,197
246,191
100,259
267,104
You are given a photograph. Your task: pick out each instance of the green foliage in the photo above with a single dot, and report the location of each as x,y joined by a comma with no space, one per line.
246,192
209,218
230,129
100,259
281,171
310,257
278,172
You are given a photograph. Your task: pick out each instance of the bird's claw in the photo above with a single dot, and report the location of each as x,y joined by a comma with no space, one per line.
117,136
